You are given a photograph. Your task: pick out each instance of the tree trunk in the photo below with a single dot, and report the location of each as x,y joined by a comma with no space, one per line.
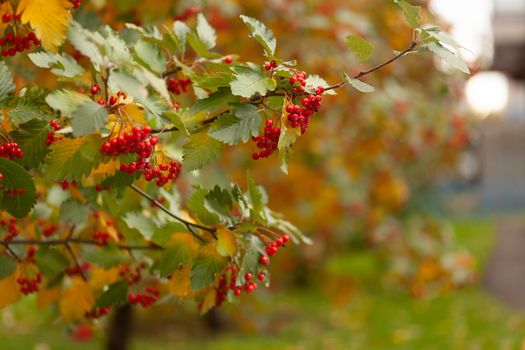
119,328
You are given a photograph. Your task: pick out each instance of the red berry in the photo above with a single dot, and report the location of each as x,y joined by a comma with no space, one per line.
248,276
261,276
6,18
264,260
227,60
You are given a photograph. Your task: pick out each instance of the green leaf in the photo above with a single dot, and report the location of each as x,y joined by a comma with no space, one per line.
31,138
7,266
313,81
119,180
106,257
6,81
247,82
51,262
116,294
16,177
196,205
73,212
256,200
151,55
206,32
219,202
30,105
70,159
173,258
358,84
84,42
203,271
286,140
411,13
61,65
128,83
200,151
116,48
181,31
261,33
232,129
361,48
66,101
213,103
142,224
88,117
448,56
254,247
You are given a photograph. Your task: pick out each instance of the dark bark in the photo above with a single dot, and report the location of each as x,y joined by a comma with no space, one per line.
120,328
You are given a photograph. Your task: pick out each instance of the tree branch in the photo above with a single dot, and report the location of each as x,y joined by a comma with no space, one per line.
53,242
188,224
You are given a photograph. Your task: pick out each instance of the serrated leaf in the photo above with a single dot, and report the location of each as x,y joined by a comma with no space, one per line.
360,47
232,129
129,84
215,102
31,105
253,249
88,117
142,224
180,251
256,201
451,58
411,13
9,290
248,82
314,81
358,84
206,32
116,48
7,266
151,55
76,300
219,202
226,242
180,282
261,33
16,177
31,138
116,294
62,65
196,205
51,262
70,159
200,151
84,42
49,19
66,101
181,31
203,271
6,81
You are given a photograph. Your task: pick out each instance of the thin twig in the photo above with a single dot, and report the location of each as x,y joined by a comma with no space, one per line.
11,251
166,210
53,242
75,261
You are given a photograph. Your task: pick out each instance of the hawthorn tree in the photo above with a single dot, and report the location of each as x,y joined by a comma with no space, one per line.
91,215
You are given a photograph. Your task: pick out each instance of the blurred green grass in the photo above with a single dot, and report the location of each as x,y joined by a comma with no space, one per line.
376,318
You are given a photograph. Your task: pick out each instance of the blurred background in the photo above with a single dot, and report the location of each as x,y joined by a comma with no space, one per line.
414,195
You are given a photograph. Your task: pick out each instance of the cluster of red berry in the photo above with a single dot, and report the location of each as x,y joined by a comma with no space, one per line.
300,116
51,137
101,237
267,143
178,86
29,285
12,230
76,270
131,275
249,284
270,65
98,312
49,230
272,249
11,150
15,192
13,42
76,3
298,78
144,299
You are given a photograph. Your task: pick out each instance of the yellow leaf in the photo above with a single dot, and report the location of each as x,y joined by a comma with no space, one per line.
179,283
76,300
101,173
100,277
135,113
49,19
48,296
9,291
208,302
226,243
108,226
